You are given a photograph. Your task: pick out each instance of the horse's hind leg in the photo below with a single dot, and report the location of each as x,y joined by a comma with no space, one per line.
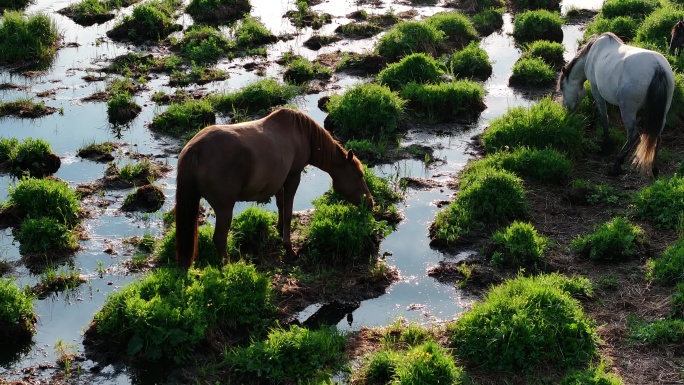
629,120
224,217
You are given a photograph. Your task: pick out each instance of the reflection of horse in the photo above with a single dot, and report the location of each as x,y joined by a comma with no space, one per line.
253,161
631,78
677,38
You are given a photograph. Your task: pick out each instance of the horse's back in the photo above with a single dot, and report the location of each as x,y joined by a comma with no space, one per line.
241,162
622,73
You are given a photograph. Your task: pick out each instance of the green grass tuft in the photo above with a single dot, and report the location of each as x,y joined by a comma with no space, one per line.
367,111
518,245
16,312
614,240
170,311
410,37
668,268
544,125
470,62
255,98
524,322
290,355
27,38
45,234
185,119
417,67
445,102
46,197
537,25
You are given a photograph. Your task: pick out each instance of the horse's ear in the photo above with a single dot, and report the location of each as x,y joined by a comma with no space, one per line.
350,155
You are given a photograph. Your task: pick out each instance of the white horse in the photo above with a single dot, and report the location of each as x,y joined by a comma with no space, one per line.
631,78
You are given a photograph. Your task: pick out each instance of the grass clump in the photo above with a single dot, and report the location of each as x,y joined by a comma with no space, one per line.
662,202
255,98
669,267
518,245
532,71
657,333
218,11
537,25
457,27
544,125
550,5
252,32
121,106
417,67
614,240
488,21
25,108
488,198
27,38
445,102
184,119
624,27
253,231
366,111
594,375
635,8
410,37
149,21
470,62
358,30
342,234
427,363
550,52
88,12
46,198
170,311
527,321
301,70
96,151
45,234
17,317
33,157
53,280
547,165
204,44
290,355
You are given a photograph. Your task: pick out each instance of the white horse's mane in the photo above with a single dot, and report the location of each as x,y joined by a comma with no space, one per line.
583,51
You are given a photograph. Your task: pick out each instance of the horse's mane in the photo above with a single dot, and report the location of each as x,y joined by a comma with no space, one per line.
323,146
581,52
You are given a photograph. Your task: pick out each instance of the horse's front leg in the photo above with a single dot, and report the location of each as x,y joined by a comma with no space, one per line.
285,201
603,117
224,218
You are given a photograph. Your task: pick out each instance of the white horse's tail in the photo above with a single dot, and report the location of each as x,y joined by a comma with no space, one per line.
654,120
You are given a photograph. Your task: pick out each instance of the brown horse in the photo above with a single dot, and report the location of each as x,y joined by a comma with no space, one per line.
252,161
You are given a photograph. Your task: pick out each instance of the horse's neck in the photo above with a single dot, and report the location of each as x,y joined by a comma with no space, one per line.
324,150
578,73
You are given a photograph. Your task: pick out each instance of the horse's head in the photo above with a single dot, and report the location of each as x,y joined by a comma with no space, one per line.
573,91
349,182
677,39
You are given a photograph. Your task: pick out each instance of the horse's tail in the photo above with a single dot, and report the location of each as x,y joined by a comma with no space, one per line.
186,211
654,120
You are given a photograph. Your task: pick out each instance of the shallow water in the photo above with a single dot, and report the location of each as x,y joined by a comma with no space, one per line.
65,316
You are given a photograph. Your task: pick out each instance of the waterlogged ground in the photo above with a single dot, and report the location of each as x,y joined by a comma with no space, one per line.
64,316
